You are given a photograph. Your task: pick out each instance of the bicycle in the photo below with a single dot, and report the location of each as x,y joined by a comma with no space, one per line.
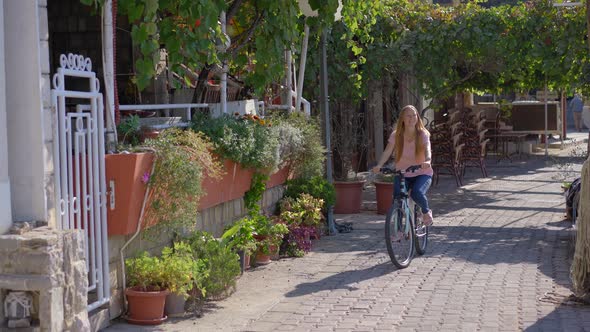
402,228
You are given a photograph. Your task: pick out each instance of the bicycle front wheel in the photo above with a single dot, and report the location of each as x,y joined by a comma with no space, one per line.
421,232
399,237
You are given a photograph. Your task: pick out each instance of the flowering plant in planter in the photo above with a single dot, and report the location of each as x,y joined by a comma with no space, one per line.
301,144
181,158
249,140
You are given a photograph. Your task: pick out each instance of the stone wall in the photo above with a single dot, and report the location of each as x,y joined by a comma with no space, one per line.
49,264
212,220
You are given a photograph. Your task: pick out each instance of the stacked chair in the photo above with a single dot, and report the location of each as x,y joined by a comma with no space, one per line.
446,151
459,142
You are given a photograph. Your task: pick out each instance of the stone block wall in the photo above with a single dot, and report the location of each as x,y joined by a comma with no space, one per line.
50,264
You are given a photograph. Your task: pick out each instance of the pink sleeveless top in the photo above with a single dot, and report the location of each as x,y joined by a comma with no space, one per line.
409,157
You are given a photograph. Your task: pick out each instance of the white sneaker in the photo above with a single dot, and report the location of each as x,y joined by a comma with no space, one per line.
427,218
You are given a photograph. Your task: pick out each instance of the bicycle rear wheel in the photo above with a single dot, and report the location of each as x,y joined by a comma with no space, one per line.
421,232
399,238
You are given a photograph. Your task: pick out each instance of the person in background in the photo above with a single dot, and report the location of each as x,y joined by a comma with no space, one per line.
576,106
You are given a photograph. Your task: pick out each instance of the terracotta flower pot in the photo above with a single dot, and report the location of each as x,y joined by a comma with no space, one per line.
149,133
348,197
262,258
384,193
145,308
246,261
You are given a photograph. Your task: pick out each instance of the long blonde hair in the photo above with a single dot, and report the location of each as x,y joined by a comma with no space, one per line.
399,133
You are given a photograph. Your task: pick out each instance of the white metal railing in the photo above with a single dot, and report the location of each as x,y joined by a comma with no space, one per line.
305,102
79,142
164,107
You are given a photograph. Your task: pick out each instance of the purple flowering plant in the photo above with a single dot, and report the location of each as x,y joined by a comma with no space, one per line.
145,178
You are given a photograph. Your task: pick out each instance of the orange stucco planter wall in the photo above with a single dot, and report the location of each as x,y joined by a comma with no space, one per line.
232,185
127,171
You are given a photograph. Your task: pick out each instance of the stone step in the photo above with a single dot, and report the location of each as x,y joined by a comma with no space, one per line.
99,319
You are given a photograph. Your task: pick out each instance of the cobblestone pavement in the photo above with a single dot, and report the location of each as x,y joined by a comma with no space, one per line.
498,260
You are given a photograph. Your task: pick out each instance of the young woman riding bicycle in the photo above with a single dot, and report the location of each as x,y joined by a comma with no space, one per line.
411,143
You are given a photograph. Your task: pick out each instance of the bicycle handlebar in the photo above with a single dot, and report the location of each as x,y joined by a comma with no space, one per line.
411,169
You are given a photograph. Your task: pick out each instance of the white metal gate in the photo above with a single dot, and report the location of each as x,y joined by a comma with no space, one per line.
79,168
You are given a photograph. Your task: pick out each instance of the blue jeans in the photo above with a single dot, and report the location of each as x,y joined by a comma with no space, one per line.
419,186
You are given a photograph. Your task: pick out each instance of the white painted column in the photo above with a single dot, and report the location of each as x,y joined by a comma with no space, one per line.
27,94
5,208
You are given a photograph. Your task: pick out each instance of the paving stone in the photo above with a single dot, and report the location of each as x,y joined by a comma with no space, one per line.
498,245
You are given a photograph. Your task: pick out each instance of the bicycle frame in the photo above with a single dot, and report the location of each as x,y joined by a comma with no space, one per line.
403,204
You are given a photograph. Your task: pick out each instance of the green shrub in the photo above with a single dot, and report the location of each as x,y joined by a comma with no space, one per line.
304,149
291,143
146,272
255,193
305,210
240,236
221,262
317,187
129,131
179,267
247,140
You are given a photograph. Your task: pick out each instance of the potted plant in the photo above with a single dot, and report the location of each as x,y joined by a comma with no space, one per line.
129,131
180,271
268,237
221,269
346,138
304,211
240,236
146,294
384,192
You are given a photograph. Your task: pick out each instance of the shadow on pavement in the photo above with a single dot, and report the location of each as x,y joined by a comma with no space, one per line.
563,318
342,280
503,247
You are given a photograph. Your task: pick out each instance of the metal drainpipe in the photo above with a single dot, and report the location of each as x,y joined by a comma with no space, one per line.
137,231
326,109
546,135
